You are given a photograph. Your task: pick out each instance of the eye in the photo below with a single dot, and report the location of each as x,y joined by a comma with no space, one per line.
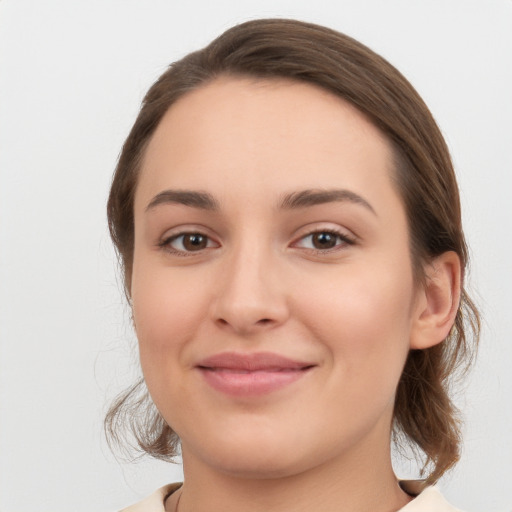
188,242
324,240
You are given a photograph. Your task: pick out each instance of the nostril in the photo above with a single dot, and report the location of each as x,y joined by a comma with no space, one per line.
264,321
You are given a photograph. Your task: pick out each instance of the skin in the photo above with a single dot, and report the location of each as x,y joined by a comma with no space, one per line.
260,284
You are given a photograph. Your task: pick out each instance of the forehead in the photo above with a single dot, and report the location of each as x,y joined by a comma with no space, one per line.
273,132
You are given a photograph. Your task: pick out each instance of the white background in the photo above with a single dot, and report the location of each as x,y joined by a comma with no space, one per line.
72,74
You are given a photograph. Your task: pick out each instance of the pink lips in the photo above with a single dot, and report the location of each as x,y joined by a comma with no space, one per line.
251,374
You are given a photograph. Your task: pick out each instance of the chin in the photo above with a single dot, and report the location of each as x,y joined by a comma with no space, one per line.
252,457
260,467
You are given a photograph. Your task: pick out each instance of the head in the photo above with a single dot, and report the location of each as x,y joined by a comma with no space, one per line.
284,53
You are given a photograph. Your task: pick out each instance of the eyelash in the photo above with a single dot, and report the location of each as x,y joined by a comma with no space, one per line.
165,244
344,239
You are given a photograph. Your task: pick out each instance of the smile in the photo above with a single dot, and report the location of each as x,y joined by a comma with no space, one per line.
251,374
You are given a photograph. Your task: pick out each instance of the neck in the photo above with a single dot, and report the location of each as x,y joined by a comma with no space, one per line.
357,483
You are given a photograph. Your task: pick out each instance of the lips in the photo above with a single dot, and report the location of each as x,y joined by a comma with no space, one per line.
251,374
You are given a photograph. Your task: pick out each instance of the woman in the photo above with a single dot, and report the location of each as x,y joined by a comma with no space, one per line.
288,221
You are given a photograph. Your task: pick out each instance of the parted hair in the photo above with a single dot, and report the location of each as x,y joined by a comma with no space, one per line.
424,414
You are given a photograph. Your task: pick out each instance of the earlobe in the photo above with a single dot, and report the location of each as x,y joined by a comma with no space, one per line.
438,302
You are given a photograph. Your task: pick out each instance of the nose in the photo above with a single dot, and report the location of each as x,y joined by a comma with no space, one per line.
251,296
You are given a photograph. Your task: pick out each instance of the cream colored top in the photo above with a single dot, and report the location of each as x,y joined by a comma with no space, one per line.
429,500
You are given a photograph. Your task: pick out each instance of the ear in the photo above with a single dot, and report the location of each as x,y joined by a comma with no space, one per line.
437,301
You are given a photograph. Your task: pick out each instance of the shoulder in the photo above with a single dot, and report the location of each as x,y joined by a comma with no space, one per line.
429,500
155,502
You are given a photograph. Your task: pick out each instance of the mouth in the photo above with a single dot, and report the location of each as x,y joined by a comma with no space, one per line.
251,374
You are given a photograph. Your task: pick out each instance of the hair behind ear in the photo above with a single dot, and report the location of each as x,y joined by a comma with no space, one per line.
425,414
424,411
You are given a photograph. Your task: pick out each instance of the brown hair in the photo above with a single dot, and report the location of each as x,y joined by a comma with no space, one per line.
424,414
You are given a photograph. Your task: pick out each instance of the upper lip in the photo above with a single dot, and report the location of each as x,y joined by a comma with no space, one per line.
258,361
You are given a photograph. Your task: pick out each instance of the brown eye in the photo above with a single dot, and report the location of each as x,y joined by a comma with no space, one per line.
324,240
194,242
188,242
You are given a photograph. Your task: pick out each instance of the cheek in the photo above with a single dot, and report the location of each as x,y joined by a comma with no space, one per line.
166,309
165,315
364,319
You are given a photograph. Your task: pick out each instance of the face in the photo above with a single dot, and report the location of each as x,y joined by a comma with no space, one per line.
272,286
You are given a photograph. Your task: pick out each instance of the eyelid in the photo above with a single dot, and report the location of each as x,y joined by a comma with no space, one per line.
346,236
164,242
319,227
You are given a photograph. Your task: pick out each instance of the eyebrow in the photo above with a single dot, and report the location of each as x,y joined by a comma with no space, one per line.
313,197
291,201
201,200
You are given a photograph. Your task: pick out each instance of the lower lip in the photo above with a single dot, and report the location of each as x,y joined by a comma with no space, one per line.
254,383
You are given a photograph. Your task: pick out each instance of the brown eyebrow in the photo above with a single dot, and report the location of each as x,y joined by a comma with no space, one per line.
313,197
294,200
201,200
